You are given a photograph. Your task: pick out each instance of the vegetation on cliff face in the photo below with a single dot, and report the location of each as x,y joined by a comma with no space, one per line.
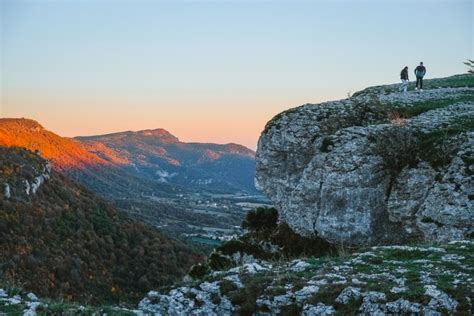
265,239
65,242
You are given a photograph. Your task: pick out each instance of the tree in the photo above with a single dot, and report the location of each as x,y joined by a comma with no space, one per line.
470,63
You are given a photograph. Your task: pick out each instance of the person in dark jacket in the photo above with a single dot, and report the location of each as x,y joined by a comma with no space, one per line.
420,72
404,78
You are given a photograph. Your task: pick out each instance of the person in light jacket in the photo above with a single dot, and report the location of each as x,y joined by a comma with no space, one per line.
404,78
420,72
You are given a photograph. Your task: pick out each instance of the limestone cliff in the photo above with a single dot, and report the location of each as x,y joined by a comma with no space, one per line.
379,167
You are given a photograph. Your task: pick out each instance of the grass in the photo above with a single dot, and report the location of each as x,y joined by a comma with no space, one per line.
11,310
422,107
246,298
405,255
456,81
328,294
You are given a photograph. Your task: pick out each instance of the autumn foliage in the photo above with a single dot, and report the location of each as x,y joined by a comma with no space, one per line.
65,242
64,153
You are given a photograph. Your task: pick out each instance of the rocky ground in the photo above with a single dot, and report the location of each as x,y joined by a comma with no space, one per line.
425,280
384,280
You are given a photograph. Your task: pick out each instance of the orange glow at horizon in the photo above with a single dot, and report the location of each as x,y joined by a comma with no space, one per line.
210,121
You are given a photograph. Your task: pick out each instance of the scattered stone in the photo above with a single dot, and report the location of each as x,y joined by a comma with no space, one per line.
348,294
440,299
372,303
403,307
299,265
318,310
32,297
306,292
235,279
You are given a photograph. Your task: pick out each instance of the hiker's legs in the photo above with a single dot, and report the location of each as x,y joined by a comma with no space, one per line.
421,82
400,88
403,85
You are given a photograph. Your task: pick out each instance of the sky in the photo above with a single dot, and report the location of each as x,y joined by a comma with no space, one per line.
212,71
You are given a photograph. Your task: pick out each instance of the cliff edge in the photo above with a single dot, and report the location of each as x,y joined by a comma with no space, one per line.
380,167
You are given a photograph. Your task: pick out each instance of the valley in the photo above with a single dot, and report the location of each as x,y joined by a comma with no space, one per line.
209,216
196,191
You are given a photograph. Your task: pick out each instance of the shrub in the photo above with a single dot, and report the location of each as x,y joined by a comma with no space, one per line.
219,262
227,286
294,245
234,246
326,143
261,219
400,147
198,271
290,310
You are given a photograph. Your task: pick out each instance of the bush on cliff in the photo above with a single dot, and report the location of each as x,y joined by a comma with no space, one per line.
261,219
267,239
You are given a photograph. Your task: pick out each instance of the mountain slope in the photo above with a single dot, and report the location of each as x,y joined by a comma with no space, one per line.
104,176
64,153
60,240
158,155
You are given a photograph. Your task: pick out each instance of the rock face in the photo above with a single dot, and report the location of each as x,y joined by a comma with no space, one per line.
380,167
24,184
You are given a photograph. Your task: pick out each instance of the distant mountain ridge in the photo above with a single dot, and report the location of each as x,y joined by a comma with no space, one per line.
159,155
152,155
64,153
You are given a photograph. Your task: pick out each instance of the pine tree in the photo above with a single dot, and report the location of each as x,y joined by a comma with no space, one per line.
470,63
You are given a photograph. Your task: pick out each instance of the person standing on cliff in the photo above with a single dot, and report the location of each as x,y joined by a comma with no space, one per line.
404,78
420,72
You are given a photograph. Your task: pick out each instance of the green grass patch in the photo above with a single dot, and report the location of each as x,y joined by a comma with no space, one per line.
11,310
328,294
404,255
422,107
456,81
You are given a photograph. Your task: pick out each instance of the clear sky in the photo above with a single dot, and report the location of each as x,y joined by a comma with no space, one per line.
212,71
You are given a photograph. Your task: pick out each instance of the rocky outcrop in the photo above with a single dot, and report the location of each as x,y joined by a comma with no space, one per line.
381,167
21,179
31,187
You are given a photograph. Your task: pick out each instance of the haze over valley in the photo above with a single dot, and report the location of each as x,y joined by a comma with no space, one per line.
182,188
